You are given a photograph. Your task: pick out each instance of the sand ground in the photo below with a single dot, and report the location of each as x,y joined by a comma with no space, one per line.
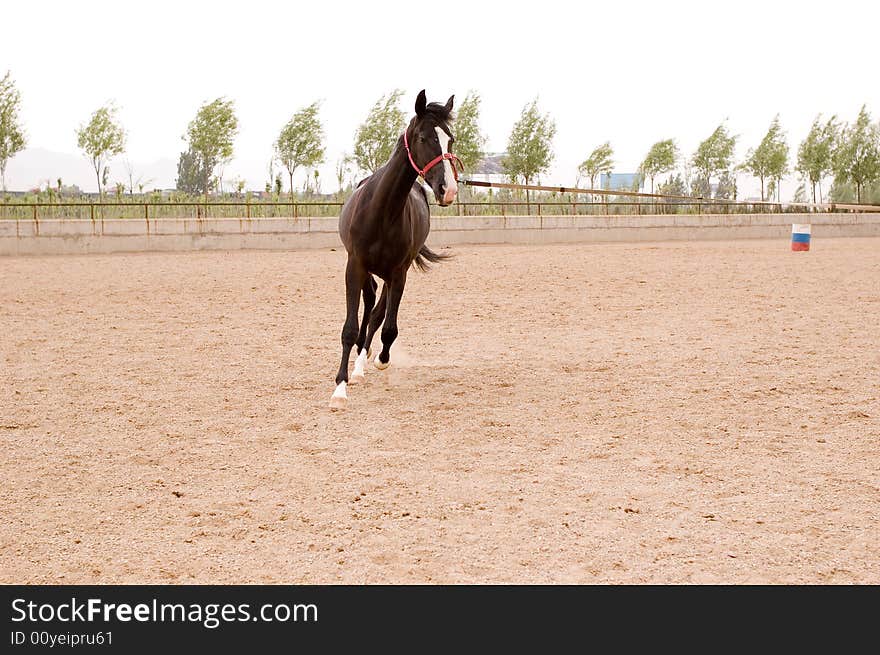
670,412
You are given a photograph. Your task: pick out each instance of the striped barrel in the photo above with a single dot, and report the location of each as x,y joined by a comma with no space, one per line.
800,237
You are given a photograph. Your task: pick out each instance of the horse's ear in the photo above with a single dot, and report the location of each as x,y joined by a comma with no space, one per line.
449,102
421,103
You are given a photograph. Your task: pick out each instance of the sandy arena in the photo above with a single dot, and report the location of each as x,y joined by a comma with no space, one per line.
669,413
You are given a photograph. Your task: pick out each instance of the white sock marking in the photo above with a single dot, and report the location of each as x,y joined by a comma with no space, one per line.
359,364
340,391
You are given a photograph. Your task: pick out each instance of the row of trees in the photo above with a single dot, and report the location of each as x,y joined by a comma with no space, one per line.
851,153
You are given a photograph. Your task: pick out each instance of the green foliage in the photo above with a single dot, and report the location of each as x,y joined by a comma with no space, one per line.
845,192
12,138
726,189
101,138
469,140
815,154
713,157
601,160
770,159
675,186
661,158
191,172
376,137
530,146
211,135
857,156
700,188
300,141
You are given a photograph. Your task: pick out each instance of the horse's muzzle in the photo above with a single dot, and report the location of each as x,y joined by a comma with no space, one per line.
449,196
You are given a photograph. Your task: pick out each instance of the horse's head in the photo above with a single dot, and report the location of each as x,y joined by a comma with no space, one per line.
428,141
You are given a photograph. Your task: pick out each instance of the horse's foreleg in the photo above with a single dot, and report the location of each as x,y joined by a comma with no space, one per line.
357,375
354,281
389,328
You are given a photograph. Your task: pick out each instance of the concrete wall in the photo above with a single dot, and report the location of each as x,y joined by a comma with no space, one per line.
44,237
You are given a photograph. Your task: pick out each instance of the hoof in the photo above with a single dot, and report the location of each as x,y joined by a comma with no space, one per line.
380,365
356,378
339,398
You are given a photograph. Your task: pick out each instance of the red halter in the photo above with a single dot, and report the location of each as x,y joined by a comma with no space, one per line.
446,155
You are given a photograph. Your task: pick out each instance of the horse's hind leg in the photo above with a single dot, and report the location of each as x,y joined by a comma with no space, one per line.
376,318
355,276
389,329
357,375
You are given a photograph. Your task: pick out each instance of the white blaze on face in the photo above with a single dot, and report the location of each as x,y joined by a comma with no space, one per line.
449,177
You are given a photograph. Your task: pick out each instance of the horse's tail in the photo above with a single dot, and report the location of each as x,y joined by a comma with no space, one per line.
426,256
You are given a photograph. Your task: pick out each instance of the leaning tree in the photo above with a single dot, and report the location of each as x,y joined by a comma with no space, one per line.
12,137
300,143
100,139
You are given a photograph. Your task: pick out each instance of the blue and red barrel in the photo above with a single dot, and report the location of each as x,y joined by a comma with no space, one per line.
800,237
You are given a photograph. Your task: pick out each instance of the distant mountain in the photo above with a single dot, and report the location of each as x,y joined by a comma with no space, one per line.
33,167
490,164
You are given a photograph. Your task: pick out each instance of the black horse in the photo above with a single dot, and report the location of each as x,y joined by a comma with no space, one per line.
384,226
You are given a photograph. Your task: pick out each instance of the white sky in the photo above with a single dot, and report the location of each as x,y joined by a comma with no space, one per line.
630,72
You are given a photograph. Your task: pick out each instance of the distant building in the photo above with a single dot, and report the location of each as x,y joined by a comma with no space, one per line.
621,181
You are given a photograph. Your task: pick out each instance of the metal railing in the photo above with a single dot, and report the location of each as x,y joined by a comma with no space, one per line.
315,209
167,209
